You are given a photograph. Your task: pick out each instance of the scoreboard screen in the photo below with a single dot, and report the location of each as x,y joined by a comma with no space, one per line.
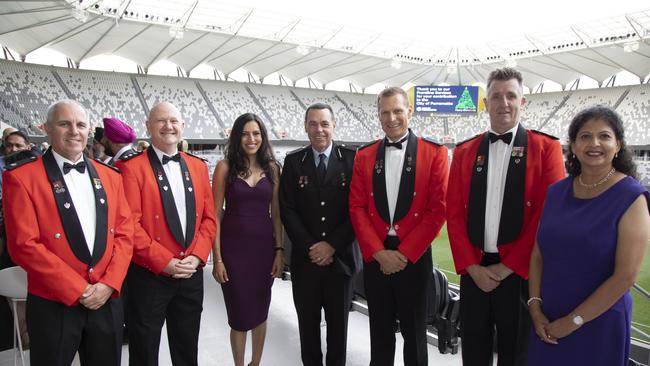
445,99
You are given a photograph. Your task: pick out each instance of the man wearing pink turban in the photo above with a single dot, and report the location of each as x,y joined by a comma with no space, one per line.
118,138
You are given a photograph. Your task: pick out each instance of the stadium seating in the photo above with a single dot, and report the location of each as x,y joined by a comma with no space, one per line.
106,94
27,92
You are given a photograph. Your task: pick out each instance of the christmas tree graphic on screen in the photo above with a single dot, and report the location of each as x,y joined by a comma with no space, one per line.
465,103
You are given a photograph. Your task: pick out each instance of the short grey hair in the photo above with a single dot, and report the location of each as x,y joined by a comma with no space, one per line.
54,107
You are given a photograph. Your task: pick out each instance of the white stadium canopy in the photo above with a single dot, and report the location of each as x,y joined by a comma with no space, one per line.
231,37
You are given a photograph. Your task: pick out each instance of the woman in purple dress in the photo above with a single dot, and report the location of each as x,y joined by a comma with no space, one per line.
590,245
248,250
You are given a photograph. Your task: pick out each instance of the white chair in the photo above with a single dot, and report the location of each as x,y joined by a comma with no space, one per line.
13,286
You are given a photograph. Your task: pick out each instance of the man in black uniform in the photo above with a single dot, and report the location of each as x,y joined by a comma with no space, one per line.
314,190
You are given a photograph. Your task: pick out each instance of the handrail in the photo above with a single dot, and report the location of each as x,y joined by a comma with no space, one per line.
642,291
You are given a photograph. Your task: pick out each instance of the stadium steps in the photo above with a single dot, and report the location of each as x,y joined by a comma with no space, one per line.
266,114
550,115
354,114
210,106
63,86
10,106
138,92
622,98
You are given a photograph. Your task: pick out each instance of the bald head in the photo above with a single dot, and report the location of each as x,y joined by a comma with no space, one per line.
53,109
165,126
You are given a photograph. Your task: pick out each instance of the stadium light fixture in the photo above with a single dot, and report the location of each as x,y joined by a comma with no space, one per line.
396,64
176,32
303,50
630,47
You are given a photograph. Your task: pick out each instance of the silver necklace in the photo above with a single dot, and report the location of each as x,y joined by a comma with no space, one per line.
594,185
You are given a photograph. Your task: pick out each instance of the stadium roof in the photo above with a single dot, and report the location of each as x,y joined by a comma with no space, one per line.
227,37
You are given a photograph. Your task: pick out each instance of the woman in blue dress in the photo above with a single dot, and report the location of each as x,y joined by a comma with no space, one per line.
247,251
591,240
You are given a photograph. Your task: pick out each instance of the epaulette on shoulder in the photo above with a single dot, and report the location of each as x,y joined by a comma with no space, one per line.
19,159
545,134
367,145
431,141
295,151
131,155
349,148
107,165
469,139
197,157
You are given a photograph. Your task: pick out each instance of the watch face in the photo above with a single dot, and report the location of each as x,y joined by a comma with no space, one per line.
577,320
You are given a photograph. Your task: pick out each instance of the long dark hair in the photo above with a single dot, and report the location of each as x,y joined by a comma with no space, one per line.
623,161
237,160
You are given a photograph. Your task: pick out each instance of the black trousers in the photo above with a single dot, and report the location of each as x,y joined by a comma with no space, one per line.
57,332
152,301
315,288
505,309
400,296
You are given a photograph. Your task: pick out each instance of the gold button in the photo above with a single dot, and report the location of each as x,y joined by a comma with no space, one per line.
322,203
57,235
324,234
90,270
322,218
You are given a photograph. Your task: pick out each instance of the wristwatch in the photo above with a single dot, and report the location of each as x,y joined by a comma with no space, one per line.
577,319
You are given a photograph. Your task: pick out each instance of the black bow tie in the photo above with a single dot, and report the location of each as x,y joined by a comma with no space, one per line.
176,158
398,144
80,167
506,137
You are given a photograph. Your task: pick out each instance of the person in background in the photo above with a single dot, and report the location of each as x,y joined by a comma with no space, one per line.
592,238
117,140
248,249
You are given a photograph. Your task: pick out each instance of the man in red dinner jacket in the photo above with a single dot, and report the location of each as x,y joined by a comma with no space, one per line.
171,200
70,228
497,186
397,207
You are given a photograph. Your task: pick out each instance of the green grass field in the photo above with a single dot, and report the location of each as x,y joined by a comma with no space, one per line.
641,309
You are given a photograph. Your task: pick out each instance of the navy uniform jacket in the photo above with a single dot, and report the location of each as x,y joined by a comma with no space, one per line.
313,210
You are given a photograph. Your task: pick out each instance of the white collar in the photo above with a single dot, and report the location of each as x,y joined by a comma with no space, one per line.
60,160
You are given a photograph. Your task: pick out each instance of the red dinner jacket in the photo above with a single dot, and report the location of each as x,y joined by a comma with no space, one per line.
423,201
154,244
544,165
38,241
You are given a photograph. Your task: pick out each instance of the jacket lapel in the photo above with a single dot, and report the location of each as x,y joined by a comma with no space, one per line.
379,183
167,198
512,212
478,195
101,209
407,181
190,203
66,209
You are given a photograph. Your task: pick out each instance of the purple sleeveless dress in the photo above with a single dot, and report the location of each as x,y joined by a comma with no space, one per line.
247,252
577,239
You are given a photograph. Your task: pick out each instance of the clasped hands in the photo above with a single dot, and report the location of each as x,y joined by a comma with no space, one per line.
487,278
321,253
182,268
550,332
390,261
95,295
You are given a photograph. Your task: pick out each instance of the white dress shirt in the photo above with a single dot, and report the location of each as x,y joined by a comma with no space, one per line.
498,160
394,164
327,153
175,178
83,198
